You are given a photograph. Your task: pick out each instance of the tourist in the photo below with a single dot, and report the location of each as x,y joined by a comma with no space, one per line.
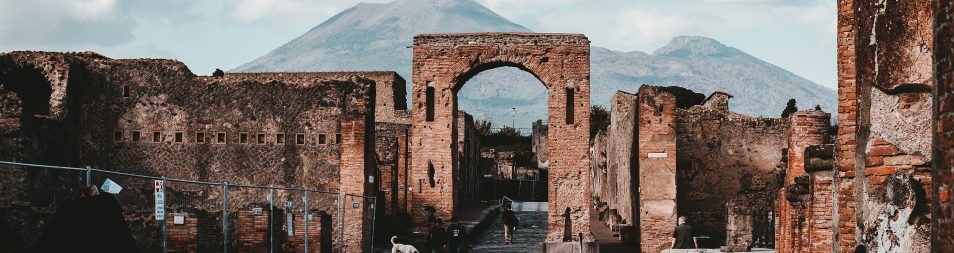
509,220
437,238
682,237
69,229
457,236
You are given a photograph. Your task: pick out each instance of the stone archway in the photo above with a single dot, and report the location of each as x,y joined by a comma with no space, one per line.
444,62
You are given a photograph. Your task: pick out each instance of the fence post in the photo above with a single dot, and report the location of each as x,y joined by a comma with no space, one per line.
306,220
271,216
165,233
338,215
374,217
225,217
88,178
341,197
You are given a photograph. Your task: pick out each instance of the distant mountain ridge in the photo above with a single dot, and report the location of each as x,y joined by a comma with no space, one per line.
378,37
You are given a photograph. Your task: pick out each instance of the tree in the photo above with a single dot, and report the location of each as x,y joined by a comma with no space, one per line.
508,131
483,127
599,119
218,72
790,108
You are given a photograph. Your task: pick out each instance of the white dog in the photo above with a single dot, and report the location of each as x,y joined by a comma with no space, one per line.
402,248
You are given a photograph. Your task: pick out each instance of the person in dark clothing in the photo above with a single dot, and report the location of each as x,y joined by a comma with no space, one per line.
92,223
457,236
437,238
509,220
682,237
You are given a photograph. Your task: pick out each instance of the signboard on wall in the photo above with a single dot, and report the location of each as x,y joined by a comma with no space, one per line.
160,199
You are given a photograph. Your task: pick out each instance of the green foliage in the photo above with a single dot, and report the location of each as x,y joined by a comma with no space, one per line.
599,119
505,139
483,127
218,72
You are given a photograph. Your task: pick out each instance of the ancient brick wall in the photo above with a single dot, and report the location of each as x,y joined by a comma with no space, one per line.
598,172
846,147
620,160
538,139
444,62
894,70
468,148
726,157
390,97
944,137
656,159
154,117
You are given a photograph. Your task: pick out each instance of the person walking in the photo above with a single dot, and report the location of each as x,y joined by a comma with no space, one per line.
682,237
437,238
509,220
456,236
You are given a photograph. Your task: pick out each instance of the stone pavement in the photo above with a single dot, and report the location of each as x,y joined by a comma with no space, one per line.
531,231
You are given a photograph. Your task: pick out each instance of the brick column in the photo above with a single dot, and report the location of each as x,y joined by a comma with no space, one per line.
944,119
847,129
656,114
355,167
805,128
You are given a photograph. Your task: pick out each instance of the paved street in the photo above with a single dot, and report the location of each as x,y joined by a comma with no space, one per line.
530,232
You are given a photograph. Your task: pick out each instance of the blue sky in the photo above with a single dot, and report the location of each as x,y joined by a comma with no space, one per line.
798,35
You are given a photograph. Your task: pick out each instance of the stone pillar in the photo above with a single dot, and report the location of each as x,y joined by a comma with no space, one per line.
656,133
619,160
944,119
847,129
355,167
805,128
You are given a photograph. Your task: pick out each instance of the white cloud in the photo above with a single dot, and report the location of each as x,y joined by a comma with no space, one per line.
250,11
91,9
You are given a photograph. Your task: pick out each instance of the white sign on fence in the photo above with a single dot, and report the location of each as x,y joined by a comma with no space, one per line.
160,200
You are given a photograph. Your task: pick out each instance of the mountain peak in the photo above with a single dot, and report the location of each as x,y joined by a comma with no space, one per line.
695,46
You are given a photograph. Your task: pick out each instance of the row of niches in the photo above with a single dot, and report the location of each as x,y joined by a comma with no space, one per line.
200,137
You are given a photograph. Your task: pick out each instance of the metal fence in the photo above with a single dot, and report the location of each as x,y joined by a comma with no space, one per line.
197,216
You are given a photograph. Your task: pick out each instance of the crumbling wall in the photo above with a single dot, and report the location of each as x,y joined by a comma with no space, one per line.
155,117
895,79
539,144
725,157
620,160
656,161
468,148
944,121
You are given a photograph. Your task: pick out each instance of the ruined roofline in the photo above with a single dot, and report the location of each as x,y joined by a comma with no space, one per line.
499,39
86,56
90,56
718,92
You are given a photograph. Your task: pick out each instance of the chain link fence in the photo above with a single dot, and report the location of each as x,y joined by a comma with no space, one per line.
196,216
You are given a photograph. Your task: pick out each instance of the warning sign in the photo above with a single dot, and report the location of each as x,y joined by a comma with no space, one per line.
160,200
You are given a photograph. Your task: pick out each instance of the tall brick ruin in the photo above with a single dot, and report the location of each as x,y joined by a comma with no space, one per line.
700,160
154,117
444,62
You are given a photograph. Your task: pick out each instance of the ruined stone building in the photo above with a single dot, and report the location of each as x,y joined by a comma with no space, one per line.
888,189
701,161
538,144
155,117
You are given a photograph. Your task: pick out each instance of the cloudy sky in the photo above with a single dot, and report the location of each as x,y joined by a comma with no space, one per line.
798,35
